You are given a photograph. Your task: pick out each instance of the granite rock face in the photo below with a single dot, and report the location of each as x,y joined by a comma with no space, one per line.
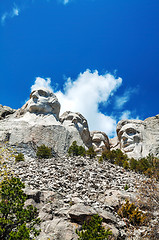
100,141
138,138
37,123
76,122
5,111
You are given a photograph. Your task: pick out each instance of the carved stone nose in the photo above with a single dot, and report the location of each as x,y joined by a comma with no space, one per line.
102,145
35,98
124,136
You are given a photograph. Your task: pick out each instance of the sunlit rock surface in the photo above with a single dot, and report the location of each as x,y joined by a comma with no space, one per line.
37,123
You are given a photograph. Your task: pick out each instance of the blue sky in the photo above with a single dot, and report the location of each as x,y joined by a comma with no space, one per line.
102,56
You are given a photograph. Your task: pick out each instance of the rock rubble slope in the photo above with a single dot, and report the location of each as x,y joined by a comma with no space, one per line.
68,190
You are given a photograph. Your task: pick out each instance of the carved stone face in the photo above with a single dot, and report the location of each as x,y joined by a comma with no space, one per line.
100,141
43,101
130,135
71,119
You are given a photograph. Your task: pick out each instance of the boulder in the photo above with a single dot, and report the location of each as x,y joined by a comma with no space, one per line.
5,111
80,213
59,229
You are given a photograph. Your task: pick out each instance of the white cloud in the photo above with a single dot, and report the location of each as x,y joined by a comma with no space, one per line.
85,94
42,83
14,12
121,100
125,115
65,1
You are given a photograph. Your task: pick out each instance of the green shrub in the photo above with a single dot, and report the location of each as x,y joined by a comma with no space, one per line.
148,165
143,165
115,156
126,165
16,222
132,213
81,151
120,157
75,150
91,153
133,164
44,152
19,157
93,230
100,159
109,155
126,187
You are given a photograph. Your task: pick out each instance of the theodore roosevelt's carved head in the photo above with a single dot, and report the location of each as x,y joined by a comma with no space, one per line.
100,141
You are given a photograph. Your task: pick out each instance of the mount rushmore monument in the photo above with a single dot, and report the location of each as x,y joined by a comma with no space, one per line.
38,122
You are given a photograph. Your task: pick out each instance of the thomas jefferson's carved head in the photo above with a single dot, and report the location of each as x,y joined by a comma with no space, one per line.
75,119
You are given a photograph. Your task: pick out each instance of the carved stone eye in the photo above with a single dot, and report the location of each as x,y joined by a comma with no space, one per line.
42,93
131,131
120,134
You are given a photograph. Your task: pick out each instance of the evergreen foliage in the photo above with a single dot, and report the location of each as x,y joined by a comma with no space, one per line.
75,150
148,165
132,213
19,157
16,222
93,230
115,156
91,153
44,152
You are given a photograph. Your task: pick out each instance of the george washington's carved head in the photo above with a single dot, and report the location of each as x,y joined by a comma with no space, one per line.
42,101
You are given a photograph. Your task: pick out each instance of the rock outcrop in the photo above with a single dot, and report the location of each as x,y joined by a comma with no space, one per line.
76,122
138,138
37,123
100,142
5,111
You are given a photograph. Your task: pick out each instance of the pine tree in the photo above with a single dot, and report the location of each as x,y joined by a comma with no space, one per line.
16,222
93,230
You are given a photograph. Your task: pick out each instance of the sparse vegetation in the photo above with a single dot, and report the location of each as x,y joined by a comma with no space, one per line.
135,216
19,157
91,153
16,222
93,230
75,150
148,165
100,159
44,152
126,187
115,156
